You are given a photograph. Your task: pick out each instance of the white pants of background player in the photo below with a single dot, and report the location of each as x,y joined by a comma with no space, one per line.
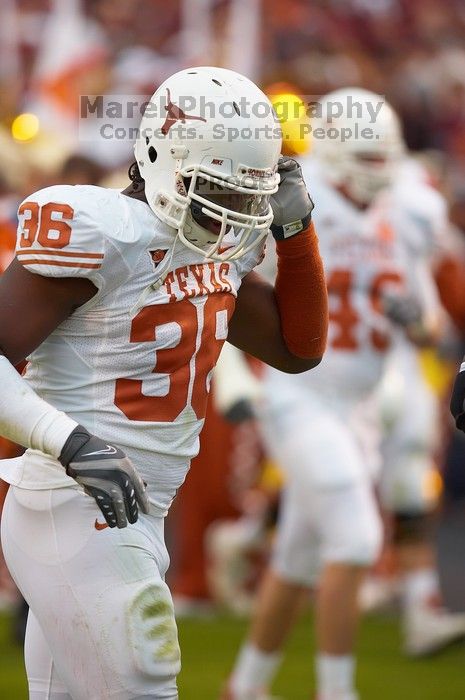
329,513
101,623
410,412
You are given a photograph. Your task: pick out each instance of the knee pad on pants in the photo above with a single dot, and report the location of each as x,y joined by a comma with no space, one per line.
153,632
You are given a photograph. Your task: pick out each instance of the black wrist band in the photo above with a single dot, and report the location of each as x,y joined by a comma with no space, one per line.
280,233
73,444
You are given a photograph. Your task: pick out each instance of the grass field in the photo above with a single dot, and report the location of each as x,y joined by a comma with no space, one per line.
208,650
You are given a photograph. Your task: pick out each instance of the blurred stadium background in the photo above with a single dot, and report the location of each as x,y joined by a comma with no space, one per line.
411,51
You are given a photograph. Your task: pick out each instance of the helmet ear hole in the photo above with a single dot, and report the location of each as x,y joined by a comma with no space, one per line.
153,155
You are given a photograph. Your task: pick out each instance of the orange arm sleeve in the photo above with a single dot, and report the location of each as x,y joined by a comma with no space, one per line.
301,294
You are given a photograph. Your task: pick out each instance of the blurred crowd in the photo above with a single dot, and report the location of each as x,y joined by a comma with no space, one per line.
412,52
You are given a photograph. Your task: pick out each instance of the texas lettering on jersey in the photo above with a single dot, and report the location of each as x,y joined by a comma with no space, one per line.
198,280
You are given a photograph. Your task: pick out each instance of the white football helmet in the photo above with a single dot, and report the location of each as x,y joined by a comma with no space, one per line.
357,137
208,149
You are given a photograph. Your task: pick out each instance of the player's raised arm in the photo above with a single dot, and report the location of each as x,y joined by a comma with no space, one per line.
286,325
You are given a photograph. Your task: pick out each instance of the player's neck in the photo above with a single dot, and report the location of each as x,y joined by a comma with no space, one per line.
136,190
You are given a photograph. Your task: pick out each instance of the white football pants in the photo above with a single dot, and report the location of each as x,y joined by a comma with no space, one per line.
328,511
102,622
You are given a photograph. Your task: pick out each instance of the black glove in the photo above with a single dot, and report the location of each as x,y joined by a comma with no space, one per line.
291,204
457,400
107,475
403,309
239,412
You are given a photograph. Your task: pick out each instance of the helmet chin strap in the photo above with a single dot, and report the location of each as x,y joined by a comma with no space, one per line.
193,231
365,189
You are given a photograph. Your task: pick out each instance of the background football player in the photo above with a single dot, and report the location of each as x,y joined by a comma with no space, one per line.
322,428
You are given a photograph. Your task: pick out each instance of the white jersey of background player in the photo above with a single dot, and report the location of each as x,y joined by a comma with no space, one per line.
322,428
122,301
367,260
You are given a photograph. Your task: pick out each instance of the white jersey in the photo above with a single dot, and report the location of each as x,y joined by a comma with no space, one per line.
366,254
425,205
133,364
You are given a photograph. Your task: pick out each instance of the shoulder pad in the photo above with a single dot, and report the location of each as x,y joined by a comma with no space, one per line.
62,230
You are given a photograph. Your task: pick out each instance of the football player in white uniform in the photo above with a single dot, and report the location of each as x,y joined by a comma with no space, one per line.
122,301
321,427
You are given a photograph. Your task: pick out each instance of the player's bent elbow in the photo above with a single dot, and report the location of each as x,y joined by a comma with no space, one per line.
294,357
297,365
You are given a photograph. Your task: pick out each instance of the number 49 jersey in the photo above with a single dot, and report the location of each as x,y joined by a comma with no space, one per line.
367,256
133,364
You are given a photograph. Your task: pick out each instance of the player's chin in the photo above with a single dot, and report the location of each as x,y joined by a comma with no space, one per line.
213,226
